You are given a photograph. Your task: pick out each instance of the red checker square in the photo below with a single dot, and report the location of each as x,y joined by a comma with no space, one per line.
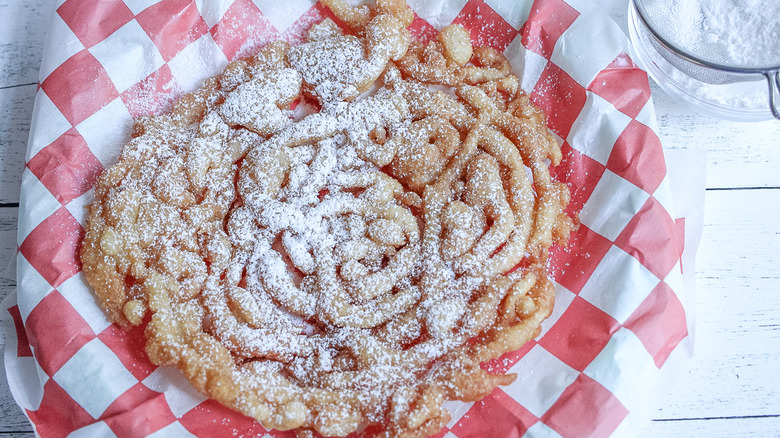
93,21
497,415
638,157
487,27
652,238
56,332
172,25
153,95
58,414
546,23
508,359
560,97
585,409
52,247
66,167
620,76
139,411
128,345
580,173
210,418
659,322
243,30
421,30
580,334
22,344
573,264
79,87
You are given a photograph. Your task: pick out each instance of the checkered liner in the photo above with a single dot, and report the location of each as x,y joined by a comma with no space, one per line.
618,322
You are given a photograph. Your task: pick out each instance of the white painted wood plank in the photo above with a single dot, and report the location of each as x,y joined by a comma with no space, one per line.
739,154
7,250
23,26
737,350
715,428
16,106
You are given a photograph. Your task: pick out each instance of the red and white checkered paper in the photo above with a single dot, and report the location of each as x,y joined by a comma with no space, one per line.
619,329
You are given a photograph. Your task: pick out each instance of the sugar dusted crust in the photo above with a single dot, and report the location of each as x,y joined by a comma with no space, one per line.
348,264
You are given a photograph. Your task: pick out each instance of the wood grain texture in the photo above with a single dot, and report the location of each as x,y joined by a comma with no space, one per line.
739,154
23,27
737,322
757,427
16,105
8,217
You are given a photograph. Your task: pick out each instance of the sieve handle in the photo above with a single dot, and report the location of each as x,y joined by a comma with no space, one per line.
774,92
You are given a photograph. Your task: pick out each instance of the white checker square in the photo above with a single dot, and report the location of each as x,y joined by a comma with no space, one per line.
179,394
675,282
515,12
647,116
128,55
197,62
36,202
624,352
98,429
47,124
612,205
439,13
107,131
212,11
541,430
457,410
61,44
563,298
526,64
449,434
574,51
597,128
663,194
94,377
173,430
619,284
137,6
79,206
78,294
282,14
542,378
583,6
32,285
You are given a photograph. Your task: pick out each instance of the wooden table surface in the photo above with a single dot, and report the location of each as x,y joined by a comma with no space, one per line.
732,387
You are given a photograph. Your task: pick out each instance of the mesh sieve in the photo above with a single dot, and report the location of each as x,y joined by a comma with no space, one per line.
706,59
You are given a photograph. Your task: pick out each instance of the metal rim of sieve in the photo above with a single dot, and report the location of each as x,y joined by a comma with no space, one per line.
772,74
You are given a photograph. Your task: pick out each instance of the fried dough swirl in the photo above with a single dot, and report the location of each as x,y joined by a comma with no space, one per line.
349,264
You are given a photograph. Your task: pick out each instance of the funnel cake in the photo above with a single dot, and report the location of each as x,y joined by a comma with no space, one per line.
348,264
